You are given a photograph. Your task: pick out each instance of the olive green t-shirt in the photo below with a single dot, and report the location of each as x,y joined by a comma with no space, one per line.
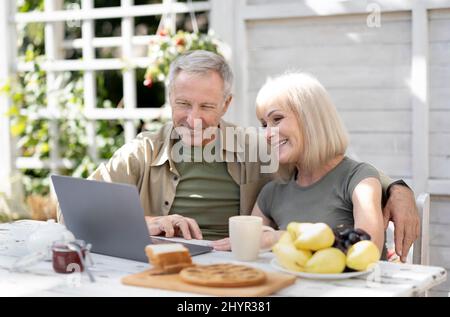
207,193
328,200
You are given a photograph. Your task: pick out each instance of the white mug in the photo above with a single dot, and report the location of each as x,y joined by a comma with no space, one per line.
245,237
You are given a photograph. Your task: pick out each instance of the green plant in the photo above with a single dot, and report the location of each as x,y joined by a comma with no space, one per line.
28,94
166,47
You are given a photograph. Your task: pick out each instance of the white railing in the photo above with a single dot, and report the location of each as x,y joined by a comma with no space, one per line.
116,41
168,7
90,89
86,65
53,17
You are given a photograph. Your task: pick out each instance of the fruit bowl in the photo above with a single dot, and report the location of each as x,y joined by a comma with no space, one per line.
322,276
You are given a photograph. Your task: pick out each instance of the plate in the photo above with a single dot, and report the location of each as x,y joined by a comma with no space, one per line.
341,276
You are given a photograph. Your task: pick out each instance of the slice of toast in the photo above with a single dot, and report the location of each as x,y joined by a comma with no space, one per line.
168,258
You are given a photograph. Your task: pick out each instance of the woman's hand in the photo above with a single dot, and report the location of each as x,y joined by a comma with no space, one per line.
221,245
268,239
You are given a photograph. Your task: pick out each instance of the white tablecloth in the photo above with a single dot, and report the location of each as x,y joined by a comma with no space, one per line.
389,279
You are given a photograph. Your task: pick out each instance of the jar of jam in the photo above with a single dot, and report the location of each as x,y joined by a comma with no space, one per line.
67,259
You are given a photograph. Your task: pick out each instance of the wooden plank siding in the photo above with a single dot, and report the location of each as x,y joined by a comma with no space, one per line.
366,71
439,46
439,136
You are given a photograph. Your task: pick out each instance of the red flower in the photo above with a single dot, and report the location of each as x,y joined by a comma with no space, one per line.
148,82
163,32
179,41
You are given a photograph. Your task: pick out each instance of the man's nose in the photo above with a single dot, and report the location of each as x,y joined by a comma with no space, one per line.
193,118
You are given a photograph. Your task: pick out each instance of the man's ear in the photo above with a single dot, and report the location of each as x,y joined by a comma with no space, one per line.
227,103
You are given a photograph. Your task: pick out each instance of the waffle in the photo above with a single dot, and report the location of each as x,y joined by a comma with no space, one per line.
223,275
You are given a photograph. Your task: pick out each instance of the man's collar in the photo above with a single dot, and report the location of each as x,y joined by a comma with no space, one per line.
164,153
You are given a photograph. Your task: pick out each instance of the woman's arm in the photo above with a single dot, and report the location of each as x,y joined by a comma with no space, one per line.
367,212
266,221
269,236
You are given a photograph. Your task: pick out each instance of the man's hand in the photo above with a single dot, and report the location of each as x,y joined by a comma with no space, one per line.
174,225
402,211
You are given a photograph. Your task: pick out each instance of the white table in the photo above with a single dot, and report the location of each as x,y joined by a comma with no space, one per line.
40,279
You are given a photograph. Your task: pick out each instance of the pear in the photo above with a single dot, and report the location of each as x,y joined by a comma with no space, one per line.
286,238
296,228
326,261
362,254
315,237
289,257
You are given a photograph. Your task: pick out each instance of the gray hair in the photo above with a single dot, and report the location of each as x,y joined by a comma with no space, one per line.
201,62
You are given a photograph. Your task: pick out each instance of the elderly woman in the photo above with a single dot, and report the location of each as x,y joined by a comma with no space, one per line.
303,126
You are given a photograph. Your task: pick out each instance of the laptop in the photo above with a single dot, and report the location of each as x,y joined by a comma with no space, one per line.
109,216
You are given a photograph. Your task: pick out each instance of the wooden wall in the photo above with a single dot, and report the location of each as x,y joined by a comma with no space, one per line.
366,71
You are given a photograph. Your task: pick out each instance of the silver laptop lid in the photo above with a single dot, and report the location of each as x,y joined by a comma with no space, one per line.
108,215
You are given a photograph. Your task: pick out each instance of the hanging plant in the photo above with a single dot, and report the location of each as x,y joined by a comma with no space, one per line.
166,47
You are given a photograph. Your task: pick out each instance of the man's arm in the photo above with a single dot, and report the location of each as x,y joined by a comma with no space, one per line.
125,166
174,225
400,207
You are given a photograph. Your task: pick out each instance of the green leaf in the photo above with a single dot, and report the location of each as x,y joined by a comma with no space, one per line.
18,128
13,111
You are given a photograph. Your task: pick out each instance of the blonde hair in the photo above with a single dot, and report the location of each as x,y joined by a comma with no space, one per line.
324,135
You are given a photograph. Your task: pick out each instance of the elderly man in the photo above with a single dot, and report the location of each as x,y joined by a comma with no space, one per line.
195,199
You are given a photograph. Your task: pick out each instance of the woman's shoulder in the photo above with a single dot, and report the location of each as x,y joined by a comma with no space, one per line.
357,172
274,186
273,192
352,166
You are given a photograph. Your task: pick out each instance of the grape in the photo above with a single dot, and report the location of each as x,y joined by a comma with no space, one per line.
346,236
348,244
342,230
340,245
353,237
363,235
360,231
345,232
